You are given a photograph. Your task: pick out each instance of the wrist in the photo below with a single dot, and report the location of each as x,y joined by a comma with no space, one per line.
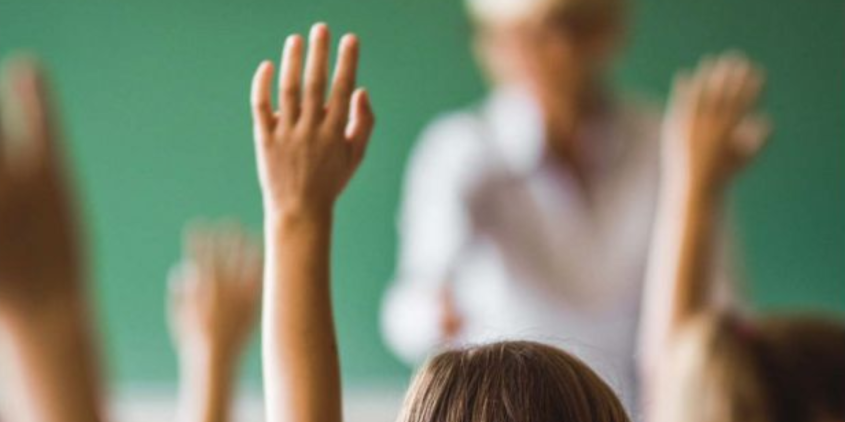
206,385
296,218
686,185
204,357
51,316
207,369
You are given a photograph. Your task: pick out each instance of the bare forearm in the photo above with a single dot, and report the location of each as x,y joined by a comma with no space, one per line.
710,133
692,274
302,374
53,365
681,257
207,388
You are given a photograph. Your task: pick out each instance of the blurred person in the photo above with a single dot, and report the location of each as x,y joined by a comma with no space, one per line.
529,215
307,152
704,362
46,334
214,295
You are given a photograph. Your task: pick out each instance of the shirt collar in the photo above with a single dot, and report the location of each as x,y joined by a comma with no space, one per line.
516,124
515,121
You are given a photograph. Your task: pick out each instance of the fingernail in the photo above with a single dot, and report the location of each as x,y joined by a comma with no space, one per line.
349,38
319,28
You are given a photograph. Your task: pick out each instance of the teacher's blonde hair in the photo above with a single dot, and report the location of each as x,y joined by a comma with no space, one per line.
486,12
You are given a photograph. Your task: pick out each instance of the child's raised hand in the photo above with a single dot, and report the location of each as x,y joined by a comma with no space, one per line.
40,261
215,292
712,130
309,148
44,314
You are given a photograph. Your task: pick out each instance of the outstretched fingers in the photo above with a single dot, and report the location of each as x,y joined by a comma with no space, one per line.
261,100
290,80
344,81
31,145
316,73
749,88
32,91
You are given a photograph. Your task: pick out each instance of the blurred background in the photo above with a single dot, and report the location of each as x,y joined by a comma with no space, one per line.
154,99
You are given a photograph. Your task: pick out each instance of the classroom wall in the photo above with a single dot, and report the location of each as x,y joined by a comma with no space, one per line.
154,95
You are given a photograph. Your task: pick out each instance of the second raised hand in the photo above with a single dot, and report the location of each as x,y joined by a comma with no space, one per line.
713,127
309,147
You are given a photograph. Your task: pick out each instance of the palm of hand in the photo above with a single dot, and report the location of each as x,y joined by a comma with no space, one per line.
294,156
711,129
215,292
308,149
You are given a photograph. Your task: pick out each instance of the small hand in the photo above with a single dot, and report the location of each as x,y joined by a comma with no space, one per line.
215,292
309,149
40,262
712,131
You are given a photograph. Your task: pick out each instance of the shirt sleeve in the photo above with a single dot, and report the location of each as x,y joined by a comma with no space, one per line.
435,229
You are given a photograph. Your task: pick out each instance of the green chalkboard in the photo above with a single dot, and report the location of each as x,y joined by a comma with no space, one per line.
154,94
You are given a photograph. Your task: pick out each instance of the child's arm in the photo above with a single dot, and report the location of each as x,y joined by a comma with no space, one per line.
44,311
214,296
710,135
307,152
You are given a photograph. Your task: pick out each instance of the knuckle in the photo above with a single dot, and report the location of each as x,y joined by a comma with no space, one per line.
314,86
290,92
259,104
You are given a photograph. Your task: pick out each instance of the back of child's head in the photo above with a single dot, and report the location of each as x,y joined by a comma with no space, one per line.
723,369
516,381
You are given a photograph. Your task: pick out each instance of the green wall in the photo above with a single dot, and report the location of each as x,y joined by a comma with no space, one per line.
154,94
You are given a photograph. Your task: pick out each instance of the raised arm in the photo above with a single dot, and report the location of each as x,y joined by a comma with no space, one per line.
214,296
307,152
710,134
44,310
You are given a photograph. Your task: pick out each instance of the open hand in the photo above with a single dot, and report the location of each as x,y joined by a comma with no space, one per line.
711,129
309,149
40,261
215,292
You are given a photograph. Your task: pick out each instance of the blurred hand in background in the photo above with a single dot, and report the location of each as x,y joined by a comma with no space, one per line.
214,295
40,253
713,127
47,345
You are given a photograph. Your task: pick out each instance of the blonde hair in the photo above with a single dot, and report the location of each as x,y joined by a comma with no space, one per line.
510,382
722,369
486,12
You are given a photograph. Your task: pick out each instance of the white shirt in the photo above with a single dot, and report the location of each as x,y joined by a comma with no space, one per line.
528,257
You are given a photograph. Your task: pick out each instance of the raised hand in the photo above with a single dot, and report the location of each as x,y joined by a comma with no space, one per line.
45,327
712,129
309,148
40,255
307,152
215,292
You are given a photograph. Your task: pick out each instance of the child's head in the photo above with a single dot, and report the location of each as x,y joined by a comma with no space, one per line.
510,382
554,47
777,370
